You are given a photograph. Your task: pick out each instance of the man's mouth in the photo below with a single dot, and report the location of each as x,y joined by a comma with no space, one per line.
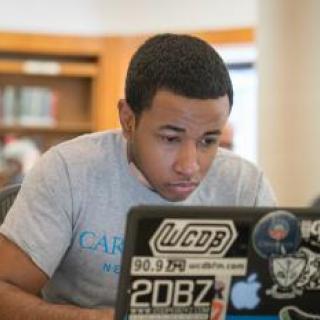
183,188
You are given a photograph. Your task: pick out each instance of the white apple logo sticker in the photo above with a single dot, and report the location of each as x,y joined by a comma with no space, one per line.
244,294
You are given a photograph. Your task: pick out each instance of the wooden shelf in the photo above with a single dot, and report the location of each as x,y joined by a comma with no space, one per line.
51,44
45,68
58,77
59,129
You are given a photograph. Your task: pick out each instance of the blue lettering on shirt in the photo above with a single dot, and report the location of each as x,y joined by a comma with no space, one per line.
103,243
86,239
117,245
109,267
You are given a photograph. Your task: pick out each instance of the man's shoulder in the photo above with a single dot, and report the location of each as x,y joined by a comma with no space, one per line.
90,147
97,141
233,180
231,166
228,158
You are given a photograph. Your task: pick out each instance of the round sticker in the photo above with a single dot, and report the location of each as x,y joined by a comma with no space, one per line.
278,232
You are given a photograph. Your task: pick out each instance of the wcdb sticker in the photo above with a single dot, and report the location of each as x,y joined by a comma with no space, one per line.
193,238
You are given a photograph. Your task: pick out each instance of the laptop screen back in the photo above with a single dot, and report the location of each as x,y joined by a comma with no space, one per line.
220,263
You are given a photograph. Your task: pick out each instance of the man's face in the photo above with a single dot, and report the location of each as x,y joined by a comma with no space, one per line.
175,141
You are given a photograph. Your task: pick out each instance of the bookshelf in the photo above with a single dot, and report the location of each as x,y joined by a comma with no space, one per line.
50,86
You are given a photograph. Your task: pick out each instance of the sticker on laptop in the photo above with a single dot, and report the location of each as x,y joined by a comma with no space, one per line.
193,238
171,298
244,293
191,247
294,273
310,232
221,297
292,313
276,233
286,271
154,266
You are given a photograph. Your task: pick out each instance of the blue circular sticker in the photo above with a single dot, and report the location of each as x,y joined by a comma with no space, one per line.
278,232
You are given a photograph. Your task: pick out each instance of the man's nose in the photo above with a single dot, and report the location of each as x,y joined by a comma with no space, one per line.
186,162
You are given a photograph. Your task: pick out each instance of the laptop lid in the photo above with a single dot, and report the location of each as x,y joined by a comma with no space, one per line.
220,263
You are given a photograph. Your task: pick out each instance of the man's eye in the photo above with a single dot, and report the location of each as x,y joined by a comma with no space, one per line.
170,139
209,141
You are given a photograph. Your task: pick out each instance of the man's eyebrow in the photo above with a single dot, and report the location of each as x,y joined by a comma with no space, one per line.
179,129
171,127
213,132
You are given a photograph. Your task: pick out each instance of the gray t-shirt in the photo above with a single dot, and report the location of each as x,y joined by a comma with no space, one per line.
70,214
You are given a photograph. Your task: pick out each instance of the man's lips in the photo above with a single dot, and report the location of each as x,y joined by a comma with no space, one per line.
183,187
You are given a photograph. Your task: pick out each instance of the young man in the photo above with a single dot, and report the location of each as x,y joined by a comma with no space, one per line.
63,238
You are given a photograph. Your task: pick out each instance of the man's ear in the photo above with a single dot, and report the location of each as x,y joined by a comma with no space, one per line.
127,118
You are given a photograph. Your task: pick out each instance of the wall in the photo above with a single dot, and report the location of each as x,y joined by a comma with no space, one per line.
139,16
289,77
59,16
124,16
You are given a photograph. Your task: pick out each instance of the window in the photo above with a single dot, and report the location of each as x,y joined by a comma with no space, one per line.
240,60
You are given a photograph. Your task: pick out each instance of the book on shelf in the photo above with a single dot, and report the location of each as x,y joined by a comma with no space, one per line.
28,106
8,105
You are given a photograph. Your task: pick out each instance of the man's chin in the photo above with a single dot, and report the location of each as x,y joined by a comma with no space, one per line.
174,196
174,199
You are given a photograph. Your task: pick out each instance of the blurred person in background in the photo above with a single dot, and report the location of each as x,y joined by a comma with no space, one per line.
227,136
18,156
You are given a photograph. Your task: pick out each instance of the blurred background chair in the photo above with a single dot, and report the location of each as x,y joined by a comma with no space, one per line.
7,197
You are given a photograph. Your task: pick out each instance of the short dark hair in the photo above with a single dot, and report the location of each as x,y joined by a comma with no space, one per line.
182,64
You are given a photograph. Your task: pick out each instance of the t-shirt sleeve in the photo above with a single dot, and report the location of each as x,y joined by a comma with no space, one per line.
265,196
40,221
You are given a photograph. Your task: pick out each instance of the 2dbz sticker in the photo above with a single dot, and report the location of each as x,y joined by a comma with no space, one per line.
171,296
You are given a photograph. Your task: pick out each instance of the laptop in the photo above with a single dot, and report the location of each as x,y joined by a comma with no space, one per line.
210,263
